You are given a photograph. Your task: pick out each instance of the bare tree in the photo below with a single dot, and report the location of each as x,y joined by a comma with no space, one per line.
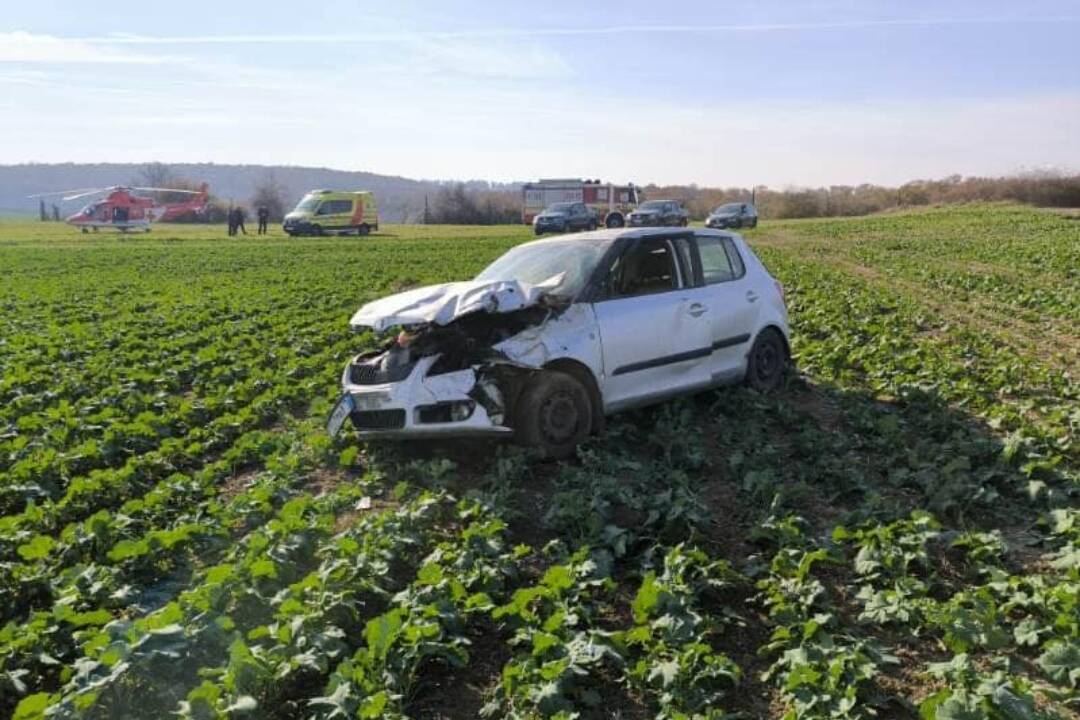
157,175
271,195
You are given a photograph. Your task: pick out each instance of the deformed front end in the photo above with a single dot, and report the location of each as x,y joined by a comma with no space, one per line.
442,374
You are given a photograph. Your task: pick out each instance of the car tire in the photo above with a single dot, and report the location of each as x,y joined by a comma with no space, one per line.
316,230
614,220
684,222
753,223
592,226
363,230
553,414
767,361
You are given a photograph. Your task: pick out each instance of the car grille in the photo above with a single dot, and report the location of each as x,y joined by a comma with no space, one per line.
371,374
378,419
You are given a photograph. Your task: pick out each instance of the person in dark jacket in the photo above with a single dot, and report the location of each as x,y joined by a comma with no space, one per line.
264,217
236,221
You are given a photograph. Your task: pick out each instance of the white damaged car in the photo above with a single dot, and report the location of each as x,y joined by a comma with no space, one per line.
558,333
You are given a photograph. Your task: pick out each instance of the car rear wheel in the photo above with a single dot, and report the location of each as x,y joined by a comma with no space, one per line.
363,230
768,361
553,414
614,220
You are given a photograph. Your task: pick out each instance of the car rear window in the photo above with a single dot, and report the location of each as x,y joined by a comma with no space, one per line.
716,265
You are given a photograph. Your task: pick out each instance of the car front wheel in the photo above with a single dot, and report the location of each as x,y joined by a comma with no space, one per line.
767,362
553,414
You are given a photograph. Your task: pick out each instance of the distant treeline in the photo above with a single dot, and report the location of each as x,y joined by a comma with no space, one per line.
1046,189
457,204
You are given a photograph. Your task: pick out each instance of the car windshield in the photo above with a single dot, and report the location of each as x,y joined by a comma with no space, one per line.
307,204
653,205
729,208
560,207
572,262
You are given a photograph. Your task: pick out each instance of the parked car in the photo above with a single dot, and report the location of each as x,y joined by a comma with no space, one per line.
331,212
557,333
564,217
659,213
732,215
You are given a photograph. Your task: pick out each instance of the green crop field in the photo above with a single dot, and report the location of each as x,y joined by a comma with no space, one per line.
895,534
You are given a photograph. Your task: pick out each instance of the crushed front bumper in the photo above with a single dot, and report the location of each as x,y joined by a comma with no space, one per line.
411,403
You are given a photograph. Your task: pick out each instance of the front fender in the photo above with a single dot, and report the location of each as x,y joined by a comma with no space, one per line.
571,334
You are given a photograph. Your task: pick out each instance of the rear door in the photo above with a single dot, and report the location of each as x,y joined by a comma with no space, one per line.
578,216
654,324
733,305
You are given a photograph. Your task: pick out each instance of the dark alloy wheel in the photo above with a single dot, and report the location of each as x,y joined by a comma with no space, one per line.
363,230
767,362
614,220
553,414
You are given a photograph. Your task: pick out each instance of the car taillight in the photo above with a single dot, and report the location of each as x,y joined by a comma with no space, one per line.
780,289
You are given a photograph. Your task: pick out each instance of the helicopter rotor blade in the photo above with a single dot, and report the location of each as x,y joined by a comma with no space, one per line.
65,192
84,194
168,190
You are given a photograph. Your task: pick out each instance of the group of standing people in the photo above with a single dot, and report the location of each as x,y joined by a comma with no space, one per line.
236,220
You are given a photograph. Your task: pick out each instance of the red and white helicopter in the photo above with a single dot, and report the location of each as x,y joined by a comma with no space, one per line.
124,210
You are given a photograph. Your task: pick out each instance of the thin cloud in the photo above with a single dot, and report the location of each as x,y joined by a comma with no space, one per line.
24,47
479,34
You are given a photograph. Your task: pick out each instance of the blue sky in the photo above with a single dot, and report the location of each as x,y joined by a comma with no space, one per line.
718,93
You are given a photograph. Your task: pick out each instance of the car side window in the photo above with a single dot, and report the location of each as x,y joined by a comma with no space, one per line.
333,207
737,265
715,263
646,268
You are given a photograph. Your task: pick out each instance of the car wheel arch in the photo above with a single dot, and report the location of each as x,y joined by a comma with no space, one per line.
779,331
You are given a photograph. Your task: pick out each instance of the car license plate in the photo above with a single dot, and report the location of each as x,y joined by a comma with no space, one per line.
344,407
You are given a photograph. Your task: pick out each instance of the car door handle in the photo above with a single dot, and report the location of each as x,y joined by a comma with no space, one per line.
697,309
751,296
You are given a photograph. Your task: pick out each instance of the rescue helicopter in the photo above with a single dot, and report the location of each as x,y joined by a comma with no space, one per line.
125,210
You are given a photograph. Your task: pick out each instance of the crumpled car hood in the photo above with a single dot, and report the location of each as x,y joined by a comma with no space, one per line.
442,304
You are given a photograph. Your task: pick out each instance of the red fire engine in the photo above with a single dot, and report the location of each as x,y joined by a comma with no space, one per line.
612,203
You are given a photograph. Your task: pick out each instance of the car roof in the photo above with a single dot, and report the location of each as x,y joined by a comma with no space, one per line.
631,233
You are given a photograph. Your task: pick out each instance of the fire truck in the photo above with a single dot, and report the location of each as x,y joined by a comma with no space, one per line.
611,203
